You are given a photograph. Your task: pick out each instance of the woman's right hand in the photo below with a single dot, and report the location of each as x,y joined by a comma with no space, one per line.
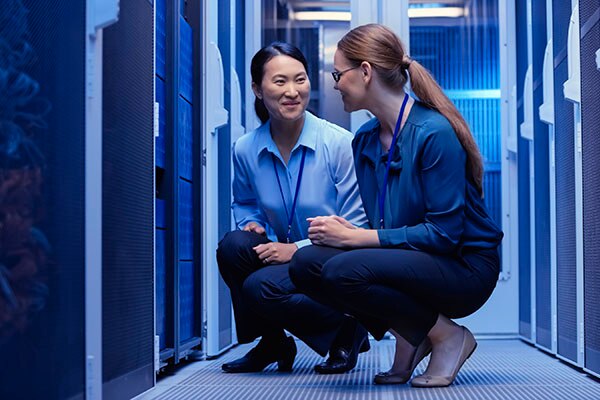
343,221
335,231
256,228
330,231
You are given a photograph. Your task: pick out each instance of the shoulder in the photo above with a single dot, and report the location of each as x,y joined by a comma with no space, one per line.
368,127
437,142
431,125
332,137
364,133
246,145
330,132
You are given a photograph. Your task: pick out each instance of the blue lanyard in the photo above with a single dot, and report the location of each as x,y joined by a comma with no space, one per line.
290,216
389,161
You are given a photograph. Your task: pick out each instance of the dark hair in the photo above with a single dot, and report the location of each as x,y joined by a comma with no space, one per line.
257,68
380,46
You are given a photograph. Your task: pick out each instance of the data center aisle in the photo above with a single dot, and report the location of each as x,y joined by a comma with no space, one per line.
499,369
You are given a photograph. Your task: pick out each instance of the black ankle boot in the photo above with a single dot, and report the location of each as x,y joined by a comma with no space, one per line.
263,355
343,356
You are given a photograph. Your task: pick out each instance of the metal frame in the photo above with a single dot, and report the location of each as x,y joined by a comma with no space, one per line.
510,193
252,44
597,54
508,79
226,41
528,133
574,81
236,117
546,112
156,126
213,116
99,15
172,160
196,13
576,99
578,185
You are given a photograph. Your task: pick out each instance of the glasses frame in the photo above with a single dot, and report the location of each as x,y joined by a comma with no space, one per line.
338,74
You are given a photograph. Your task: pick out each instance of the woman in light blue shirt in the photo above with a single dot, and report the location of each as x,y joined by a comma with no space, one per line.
293,167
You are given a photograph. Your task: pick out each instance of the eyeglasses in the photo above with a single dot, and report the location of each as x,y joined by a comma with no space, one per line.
338,74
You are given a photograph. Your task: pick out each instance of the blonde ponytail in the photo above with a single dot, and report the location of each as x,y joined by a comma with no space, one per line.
431,94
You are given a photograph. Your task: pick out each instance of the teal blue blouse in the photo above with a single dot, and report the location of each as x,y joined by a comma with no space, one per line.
430,205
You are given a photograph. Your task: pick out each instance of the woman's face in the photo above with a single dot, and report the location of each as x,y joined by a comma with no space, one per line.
285,88
351,83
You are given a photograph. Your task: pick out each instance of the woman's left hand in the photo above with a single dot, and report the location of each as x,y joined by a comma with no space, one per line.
275,253
331,231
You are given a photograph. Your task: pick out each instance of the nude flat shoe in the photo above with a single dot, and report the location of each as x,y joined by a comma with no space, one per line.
392,378
468,347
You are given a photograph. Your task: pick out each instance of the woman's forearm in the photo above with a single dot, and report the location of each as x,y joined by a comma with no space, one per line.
363,238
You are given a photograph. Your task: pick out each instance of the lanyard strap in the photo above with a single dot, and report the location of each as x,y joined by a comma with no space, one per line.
289,215
395,137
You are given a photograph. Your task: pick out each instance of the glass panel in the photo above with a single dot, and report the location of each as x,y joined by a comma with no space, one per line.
457,40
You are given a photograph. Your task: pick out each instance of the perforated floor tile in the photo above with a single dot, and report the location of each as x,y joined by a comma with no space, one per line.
498,370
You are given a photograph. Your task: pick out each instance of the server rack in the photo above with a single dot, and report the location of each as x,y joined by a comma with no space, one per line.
51,155
128,203
177,224
566,250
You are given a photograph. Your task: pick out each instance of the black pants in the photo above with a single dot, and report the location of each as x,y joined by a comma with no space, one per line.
404,290
265,301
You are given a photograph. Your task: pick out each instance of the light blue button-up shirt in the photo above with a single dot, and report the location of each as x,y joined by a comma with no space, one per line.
328,185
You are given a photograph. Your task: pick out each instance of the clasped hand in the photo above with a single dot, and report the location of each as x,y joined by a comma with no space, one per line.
331,231
275,252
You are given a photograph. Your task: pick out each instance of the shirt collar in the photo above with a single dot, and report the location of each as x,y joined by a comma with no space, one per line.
373,150
308,136
372,147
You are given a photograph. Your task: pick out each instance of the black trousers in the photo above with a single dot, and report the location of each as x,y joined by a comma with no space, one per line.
404,290
265,301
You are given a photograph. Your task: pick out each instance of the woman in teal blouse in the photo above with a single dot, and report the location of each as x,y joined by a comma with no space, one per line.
432,251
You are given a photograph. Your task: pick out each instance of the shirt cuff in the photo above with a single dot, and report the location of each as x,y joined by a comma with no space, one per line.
303,243
392,237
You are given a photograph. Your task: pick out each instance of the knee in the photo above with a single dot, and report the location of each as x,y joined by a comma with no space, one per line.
304,269
339,275
232,242
331,274
231,247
